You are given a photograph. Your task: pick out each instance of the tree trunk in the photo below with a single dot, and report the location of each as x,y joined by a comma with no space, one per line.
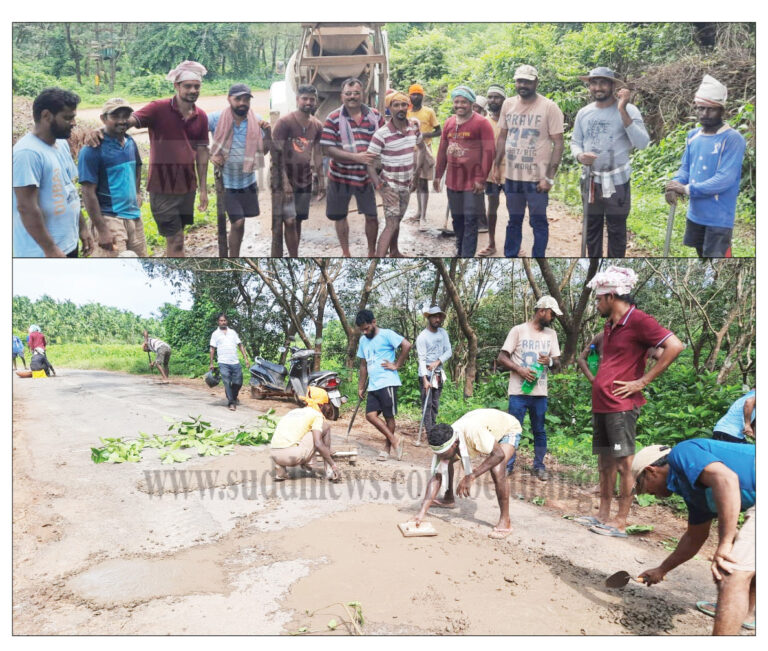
73,51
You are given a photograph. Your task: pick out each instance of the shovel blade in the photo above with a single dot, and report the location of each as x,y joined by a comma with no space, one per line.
618,580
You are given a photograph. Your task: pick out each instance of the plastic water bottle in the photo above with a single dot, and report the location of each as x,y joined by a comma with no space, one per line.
593,359
528,385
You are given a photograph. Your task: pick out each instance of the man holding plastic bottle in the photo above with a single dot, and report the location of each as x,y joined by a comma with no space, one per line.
529,352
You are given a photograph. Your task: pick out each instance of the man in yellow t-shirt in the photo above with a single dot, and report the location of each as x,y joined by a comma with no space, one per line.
488,432
302,431
430,128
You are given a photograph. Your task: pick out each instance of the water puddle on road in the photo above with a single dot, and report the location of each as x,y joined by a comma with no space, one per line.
130,580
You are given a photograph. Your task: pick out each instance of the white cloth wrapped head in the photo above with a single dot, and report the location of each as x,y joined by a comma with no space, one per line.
711,92
187,71
614,280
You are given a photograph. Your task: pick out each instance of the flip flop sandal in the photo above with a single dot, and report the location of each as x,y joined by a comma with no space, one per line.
499,534
710,608
587,520
486,253
383,456
605,530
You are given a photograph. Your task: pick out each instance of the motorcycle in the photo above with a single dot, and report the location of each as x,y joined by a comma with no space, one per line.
275,380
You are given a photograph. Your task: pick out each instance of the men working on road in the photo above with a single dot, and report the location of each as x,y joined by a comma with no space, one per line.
710,173
465,156
346,134
617,389
430,128
295,147
300,433
47,221
18,351
110,176
530,138
378,367
716,480
225,342
493,189
527,344
162,354
240,138
604,134
400,147
178,149
739,421
483,431
433,349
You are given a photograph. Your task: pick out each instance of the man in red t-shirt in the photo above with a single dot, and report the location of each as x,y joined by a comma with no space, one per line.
178,151
465,156
617,387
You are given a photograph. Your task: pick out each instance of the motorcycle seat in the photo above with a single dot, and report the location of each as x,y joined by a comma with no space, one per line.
317,374
278,368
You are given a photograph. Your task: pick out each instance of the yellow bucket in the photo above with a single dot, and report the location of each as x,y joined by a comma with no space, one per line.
38,374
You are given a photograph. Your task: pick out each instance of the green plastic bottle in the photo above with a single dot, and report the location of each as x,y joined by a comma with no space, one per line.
593,359
527,384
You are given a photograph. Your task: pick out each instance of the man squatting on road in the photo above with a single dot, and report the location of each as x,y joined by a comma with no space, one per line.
301,433
488,432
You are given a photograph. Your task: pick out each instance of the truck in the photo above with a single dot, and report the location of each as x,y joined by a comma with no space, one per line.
328,54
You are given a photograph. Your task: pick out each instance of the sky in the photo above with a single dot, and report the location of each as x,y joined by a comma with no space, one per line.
120,283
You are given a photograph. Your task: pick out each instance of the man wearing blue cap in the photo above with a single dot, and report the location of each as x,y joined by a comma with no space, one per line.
604,134
465,156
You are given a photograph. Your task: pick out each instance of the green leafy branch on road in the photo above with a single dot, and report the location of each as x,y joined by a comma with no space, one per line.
207,441
353,609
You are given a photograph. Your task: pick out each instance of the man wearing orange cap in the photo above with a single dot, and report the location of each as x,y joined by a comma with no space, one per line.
430,128
300,433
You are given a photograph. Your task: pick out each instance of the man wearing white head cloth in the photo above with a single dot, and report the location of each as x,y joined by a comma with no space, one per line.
178,154
709,174
617,390
489,432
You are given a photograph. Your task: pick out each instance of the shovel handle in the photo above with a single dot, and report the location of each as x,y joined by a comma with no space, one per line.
585,206
670,224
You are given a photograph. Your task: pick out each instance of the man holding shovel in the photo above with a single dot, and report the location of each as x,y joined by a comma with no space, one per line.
488,432
378,367
709,174
162,354
716,479
604,134
433,349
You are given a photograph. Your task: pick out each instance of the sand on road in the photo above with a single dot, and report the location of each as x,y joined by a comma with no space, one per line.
214,546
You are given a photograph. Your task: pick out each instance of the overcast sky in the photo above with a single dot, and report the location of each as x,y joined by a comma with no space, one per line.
119,283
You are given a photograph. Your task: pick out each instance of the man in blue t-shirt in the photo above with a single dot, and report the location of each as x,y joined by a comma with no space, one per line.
378,367
240,138
710,173
47,221
110,175
739,421
716,479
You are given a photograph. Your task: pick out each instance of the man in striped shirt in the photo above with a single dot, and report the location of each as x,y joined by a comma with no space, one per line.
401,148
346,134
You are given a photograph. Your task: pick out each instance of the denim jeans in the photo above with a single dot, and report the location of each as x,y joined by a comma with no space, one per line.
536,406
232,377
520,193
466,208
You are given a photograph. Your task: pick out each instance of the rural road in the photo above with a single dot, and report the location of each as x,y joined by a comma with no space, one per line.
103,549
318,236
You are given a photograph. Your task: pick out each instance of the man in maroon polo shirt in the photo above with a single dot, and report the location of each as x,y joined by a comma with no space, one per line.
617,390
178,151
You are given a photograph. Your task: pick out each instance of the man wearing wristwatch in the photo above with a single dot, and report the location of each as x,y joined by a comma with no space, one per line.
528,343
530,141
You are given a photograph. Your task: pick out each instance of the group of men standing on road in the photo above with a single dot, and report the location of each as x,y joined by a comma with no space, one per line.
517,148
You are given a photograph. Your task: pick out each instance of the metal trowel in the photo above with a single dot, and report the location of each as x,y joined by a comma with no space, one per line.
620,579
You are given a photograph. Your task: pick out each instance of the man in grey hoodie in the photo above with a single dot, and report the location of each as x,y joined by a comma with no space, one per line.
433,349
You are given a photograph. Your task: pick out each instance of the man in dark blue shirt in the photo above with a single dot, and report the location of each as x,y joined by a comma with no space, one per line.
716,479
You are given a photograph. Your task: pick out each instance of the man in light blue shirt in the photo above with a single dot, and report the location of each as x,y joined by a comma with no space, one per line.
710,174
47,220
604,134
378,368
739,421
238,153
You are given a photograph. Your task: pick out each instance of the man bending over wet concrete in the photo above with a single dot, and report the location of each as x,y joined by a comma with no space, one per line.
300,433
488,432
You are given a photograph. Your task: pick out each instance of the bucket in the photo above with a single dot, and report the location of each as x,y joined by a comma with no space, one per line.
38,374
